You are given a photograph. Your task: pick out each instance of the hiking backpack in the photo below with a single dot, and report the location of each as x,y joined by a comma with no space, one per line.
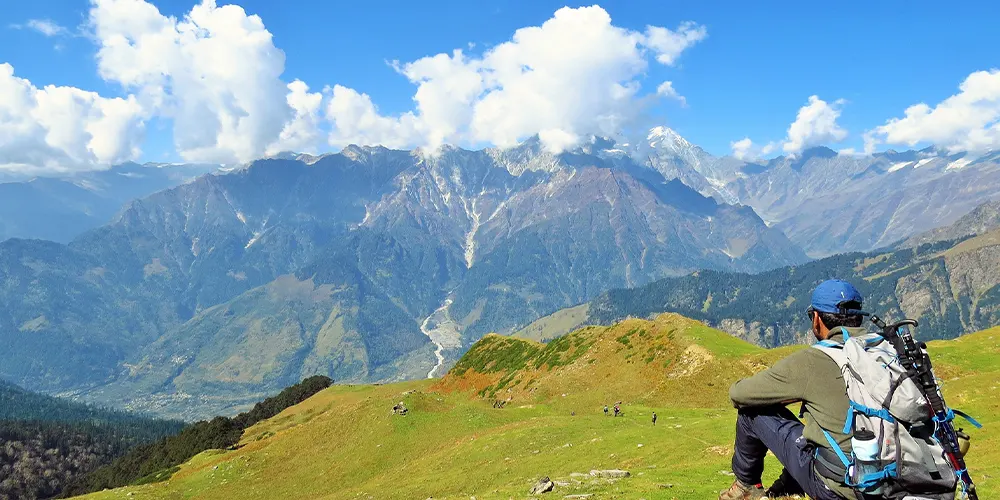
906,460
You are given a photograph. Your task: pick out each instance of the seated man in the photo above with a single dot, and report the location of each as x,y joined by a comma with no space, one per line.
809,377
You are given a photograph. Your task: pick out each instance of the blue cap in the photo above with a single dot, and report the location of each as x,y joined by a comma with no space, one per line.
830,294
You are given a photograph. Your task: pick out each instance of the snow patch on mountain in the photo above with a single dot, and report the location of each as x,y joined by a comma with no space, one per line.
899,166
959,164
257,234
470,238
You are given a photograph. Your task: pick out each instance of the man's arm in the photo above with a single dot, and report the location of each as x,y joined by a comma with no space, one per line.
782,383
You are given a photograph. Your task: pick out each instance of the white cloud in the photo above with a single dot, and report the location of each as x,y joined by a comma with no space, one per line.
356,120
447,88
966,121
741,148
216,73
670,44
62,129
745,149
577,74
302,133
666,89
46,27
815,124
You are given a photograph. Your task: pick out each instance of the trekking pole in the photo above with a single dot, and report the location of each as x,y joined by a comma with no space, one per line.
918,366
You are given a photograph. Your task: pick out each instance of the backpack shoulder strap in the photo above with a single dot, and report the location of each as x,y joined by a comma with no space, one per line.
833,348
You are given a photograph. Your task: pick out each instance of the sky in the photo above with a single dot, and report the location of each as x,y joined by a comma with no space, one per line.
85,84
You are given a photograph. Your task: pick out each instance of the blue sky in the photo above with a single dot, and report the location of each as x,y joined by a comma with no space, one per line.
758,65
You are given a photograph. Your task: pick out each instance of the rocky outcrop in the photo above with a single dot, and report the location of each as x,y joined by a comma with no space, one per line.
544,485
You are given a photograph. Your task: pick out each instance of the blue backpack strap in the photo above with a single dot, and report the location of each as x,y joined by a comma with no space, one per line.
836,448
830,344
873,412
968,418
856,408
849,422
870,480
951,416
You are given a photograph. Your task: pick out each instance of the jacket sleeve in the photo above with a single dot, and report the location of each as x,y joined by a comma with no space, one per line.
783,383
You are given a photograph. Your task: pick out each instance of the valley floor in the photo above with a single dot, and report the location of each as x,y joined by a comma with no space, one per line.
345,443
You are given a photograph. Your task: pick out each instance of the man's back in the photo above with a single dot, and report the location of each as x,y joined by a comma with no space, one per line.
811,377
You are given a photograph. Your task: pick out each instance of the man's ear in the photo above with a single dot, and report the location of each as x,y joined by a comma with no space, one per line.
816,322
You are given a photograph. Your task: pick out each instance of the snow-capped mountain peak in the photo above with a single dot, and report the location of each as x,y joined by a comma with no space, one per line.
666,138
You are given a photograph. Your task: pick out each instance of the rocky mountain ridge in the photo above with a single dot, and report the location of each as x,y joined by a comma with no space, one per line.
368,265
950,287
829,203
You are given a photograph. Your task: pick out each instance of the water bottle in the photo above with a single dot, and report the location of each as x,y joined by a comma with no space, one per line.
866,457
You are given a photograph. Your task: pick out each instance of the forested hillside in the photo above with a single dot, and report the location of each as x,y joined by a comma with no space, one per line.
951,287
46,442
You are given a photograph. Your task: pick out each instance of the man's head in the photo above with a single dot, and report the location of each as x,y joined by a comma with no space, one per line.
834,303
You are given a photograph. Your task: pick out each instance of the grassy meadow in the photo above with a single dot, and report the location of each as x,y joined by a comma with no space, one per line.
345,443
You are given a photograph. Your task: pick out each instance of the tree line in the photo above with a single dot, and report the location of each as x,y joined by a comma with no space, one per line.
157,461
54,448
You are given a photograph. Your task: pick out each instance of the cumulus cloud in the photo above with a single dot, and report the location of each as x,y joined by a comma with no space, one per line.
745,149
966,121
741,148
670,44
666,89
61,129
577,74
216,73
356,120
815,124
302,133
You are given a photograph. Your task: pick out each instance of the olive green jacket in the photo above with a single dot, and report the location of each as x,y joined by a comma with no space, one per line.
814,379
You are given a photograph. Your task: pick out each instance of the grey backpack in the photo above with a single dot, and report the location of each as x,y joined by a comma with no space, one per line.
904,460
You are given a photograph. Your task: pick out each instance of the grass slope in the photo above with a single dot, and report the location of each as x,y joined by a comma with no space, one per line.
345,443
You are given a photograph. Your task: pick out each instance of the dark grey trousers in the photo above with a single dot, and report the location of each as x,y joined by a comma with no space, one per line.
775,428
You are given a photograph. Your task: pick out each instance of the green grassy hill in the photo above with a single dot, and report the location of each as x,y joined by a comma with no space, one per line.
345,442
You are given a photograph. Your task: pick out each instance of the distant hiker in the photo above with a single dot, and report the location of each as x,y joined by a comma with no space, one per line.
654,418
813,378
605,410
617,409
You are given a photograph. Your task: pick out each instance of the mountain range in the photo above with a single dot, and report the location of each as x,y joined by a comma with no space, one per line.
830,203
948,279
378,265
366,265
